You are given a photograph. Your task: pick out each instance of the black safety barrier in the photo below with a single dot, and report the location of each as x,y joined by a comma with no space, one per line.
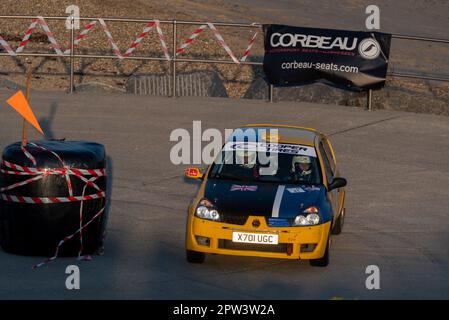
37,216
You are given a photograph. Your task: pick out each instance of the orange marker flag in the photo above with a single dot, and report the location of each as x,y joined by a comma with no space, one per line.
20,104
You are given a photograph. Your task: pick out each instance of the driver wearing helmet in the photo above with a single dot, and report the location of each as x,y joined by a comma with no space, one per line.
246,158
247,162
301,168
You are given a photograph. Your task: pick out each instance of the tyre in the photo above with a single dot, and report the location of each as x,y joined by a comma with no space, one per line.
195,257
324,261
338,227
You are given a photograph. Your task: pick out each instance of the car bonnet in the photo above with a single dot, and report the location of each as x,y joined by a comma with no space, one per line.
262,199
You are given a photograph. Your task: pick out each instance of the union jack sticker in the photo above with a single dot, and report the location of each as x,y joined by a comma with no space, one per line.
236,187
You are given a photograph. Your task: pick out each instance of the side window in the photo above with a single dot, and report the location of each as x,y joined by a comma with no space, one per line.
326,163
328,151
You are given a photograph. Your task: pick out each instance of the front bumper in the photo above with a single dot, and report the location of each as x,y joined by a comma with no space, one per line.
292,240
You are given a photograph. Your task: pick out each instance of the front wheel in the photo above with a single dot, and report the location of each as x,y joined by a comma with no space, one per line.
324,261
195,257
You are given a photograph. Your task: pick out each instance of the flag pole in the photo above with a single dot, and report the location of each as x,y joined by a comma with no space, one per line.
27,96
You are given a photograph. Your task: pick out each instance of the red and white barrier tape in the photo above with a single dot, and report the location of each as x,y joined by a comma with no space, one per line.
34,171
221,41
38,21
162,40
115,48
147,29
84,33
7,47
67,172
80,257
139,39
47,200
28,155
50,36
27,36
248,49
197,32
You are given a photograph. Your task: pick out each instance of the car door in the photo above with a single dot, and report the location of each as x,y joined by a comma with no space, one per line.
336,173
329,166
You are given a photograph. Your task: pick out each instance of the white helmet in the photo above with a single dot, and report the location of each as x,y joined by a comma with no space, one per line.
246,158
300,159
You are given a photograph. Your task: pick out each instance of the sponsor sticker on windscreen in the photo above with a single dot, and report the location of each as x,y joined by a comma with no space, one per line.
260,238
295,149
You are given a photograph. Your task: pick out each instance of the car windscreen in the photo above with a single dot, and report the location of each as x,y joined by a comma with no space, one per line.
267,162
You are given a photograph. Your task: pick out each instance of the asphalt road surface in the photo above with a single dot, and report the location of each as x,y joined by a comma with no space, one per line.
397,203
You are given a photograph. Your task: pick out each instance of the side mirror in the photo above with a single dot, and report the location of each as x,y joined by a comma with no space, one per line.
193,173
336,183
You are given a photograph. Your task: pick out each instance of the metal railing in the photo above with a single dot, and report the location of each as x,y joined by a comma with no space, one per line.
173,59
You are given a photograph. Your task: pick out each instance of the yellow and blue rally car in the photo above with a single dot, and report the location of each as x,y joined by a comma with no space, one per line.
273,191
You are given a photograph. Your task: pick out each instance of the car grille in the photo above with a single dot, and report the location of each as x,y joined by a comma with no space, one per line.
272,222
280,222
238,220
228,244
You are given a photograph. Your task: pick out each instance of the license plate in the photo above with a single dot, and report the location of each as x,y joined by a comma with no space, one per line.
260,238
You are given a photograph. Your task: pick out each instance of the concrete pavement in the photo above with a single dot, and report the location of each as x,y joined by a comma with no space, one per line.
397,203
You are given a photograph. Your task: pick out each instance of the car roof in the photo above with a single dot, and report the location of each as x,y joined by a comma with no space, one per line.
286,133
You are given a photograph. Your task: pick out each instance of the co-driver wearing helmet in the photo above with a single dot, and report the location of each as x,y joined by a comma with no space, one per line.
301,169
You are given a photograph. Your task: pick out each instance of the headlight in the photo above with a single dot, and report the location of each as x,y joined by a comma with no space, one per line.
300,221
206,210
312,218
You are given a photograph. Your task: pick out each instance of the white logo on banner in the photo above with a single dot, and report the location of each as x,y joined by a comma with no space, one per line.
369,48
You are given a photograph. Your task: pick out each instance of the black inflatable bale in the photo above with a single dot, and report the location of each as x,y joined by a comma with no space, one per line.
37,229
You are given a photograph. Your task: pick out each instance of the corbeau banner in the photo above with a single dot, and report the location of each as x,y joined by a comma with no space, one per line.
352,60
